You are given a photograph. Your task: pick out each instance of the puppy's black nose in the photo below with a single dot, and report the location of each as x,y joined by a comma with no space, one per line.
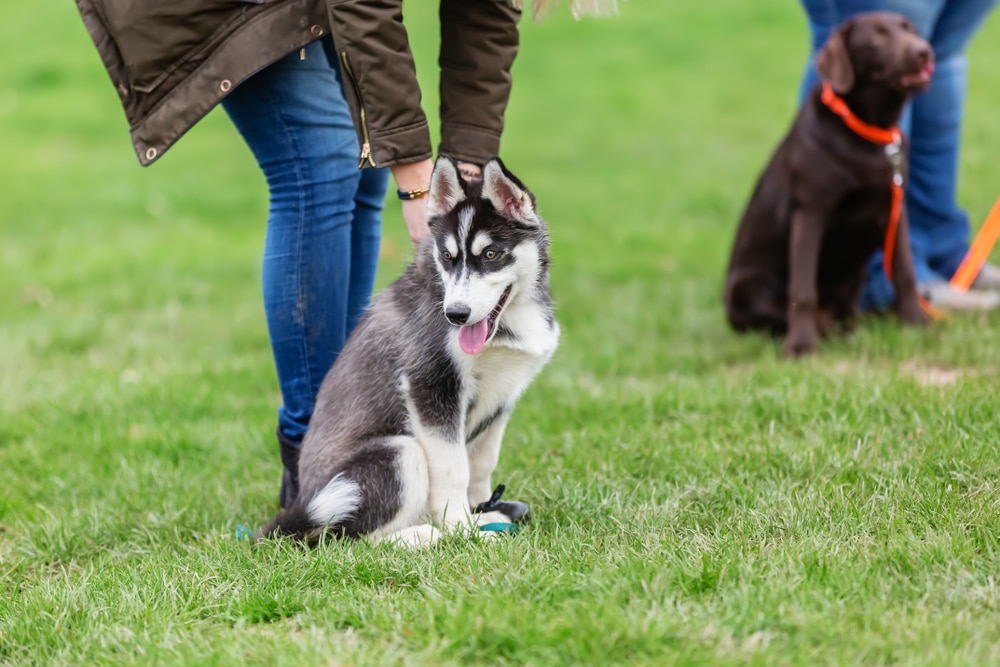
458,314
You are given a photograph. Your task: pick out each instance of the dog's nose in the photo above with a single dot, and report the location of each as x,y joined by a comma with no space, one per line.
923,54
458,314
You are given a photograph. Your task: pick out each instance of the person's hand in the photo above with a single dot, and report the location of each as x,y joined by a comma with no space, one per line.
415,217
469,171
411,176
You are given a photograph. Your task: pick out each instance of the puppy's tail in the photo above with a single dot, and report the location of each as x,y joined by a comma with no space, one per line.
328,510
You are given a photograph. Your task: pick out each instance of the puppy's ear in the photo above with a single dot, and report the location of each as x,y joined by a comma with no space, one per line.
446,191
508,195
833,62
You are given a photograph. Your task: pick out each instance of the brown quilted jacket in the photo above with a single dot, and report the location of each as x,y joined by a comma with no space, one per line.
172,62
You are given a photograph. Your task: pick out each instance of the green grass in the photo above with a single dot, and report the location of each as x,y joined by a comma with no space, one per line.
698,500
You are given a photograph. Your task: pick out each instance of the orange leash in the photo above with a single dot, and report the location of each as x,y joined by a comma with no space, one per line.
890,233
890,243
978,251
892,139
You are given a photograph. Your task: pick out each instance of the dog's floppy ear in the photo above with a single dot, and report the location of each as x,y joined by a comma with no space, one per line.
446,190
833,62
508,195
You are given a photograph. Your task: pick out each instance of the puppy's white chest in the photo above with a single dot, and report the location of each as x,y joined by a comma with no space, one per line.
497,380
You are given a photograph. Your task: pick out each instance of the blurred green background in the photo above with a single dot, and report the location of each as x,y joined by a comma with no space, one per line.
698,499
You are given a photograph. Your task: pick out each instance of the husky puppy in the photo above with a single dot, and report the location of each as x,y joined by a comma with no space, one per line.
409,420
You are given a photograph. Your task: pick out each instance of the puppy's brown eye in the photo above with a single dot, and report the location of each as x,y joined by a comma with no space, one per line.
490,254
446,256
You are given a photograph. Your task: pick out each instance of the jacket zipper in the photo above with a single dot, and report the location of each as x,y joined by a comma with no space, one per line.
366,148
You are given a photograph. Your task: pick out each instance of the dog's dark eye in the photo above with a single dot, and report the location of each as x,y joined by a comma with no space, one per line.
445,255
490,254
881,31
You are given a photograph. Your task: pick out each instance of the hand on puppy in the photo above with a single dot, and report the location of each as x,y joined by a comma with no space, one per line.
417,175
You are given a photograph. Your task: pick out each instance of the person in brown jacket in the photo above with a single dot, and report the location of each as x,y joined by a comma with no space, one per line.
322,92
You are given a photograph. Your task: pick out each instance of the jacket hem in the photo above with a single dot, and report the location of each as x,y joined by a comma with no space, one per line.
202,90
410,143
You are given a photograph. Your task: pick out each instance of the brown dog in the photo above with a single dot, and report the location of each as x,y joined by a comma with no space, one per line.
824,202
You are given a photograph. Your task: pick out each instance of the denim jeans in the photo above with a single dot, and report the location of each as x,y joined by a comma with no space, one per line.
939,229
324,222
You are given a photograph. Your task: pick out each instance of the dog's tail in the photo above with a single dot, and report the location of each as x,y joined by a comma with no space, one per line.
330,510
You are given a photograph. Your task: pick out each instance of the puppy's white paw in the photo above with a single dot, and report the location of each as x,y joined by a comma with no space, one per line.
415,537
486,518
493,525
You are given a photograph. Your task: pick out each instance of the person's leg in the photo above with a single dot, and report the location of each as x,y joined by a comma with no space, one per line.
295,120
822,16
366,231
940,229
366,234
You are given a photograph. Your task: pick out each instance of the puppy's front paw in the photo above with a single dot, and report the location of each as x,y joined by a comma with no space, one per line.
491,525
414,537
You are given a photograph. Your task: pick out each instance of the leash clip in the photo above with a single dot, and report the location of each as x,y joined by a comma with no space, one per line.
894,153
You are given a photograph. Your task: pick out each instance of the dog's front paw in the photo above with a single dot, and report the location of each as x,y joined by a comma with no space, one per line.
799,345
802,334
912,312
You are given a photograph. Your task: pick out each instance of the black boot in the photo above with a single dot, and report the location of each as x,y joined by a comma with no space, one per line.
290,476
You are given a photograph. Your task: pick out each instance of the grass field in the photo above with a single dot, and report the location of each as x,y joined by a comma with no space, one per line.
698,500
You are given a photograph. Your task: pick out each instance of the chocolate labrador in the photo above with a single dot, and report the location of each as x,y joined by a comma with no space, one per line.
823,204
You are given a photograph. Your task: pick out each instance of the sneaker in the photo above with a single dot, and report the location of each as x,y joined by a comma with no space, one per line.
514,510
988,278
941,295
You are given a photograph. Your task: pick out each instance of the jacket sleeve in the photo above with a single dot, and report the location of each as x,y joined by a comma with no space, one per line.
380,81
479,40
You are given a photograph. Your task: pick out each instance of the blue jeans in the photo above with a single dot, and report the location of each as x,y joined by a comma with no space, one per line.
324,223
939,229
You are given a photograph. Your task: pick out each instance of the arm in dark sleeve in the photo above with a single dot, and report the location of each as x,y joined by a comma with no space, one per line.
380,81
479,39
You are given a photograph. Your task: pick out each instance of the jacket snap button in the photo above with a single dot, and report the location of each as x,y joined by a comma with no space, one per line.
317,30
225,85
151,153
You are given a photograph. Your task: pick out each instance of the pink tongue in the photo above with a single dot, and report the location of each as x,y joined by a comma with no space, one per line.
472,337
